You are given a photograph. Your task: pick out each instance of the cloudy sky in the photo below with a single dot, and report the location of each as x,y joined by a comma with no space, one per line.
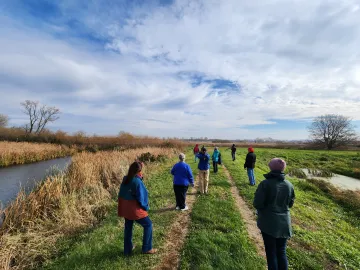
215,68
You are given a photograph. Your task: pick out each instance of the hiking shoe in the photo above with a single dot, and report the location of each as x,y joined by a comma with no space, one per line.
177,208
185,208
151,251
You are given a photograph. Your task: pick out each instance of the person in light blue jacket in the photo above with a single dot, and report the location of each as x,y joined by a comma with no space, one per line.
215,158
183,177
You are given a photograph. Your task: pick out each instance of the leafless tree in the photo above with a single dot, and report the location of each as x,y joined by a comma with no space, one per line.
4,120
39,115
332,130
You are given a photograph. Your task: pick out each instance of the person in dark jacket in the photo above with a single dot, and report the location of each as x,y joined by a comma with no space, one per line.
250,165
133,204
233,152
183,177
273,199
204,167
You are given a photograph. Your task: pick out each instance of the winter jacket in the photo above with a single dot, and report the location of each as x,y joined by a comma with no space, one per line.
182,174
273,199
215,156
196,149
250,161
233,149
203,161
133,201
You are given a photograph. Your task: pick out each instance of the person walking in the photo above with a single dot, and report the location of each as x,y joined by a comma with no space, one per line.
249,165
133,204
233,152
203,167
273,199
196,151
215,158
183,177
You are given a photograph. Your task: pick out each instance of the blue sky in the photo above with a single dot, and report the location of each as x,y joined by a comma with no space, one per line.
203,68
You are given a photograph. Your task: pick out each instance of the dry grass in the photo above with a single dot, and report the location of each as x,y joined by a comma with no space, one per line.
12,153
64,204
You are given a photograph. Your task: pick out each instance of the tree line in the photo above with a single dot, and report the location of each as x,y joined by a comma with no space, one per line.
330,130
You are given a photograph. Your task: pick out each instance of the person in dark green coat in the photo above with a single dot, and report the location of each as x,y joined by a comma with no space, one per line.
273,199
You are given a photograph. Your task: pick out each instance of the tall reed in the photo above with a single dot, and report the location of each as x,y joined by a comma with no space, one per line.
64,204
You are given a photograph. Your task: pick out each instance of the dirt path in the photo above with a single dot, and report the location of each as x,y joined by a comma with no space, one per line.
248,216
176,236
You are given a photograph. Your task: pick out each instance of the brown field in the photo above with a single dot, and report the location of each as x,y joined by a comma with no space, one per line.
12,153
64,204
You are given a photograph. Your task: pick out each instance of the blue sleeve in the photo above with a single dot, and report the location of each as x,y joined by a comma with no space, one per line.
173,170
142,196
190,175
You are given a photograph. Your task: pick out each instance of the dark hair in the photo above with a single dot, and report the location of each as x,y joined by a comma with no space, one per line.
134,168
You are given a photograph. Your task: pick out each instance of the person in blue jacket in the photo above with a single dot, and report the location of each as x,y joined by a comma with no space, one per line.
203,166
133,205
183,177
215,158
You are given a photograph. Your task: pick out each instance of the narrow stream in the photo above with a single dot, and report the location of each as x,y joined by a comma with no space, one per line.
341,181
13,178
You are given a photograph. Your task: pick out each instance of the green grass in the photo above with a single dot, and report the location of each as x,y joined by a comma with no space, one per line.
218,237
341,162
102,247
326,234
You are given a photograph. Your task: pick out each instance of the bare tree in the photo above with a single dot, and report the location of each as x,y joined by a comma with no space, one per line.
4,120
39,115
332,130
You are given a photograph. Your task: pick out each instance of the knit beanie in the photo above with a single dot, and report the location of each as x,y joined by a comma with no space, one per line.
277,164
251,150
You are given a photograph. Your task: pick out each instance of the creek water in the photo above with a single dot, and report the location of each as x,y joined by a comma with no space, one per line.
338,180
17,177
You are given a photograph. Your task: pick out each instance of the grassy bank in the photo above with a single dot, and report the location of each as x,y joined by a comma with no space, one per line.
102,248
326,232
63,205
15,153
218,238
341,162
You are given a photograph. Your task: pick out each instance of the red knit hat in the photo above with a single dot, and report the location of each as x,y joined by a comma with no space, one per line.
251,150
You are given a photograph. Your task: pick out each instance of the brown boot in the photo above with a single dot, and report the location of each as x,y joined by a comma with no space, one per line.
151,251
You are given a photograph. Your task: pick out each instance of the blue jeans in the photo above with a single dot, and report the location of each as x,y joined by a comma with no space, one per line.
195,157
250,172
233,155
275,249
147,238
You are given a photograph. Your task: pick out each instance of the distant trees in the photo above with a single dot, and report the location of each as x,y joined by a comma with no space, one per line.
4,120
39,115
332,130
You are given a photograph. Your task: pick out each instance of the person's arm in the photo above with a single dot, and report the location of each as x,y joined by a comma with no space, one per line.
259,199
173,170
142,196
292,199
190,175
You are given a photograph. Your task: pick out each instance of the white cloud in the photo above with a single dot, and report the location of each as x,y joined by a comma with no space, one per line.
291,59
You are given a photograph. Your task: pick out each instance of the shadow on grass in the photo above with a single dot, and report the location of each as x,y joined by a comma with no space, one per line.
163,210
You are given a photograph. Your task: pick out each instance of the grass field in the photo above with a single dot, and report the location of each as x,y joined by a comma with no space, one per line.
15,153
62,217
326,234
218,237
